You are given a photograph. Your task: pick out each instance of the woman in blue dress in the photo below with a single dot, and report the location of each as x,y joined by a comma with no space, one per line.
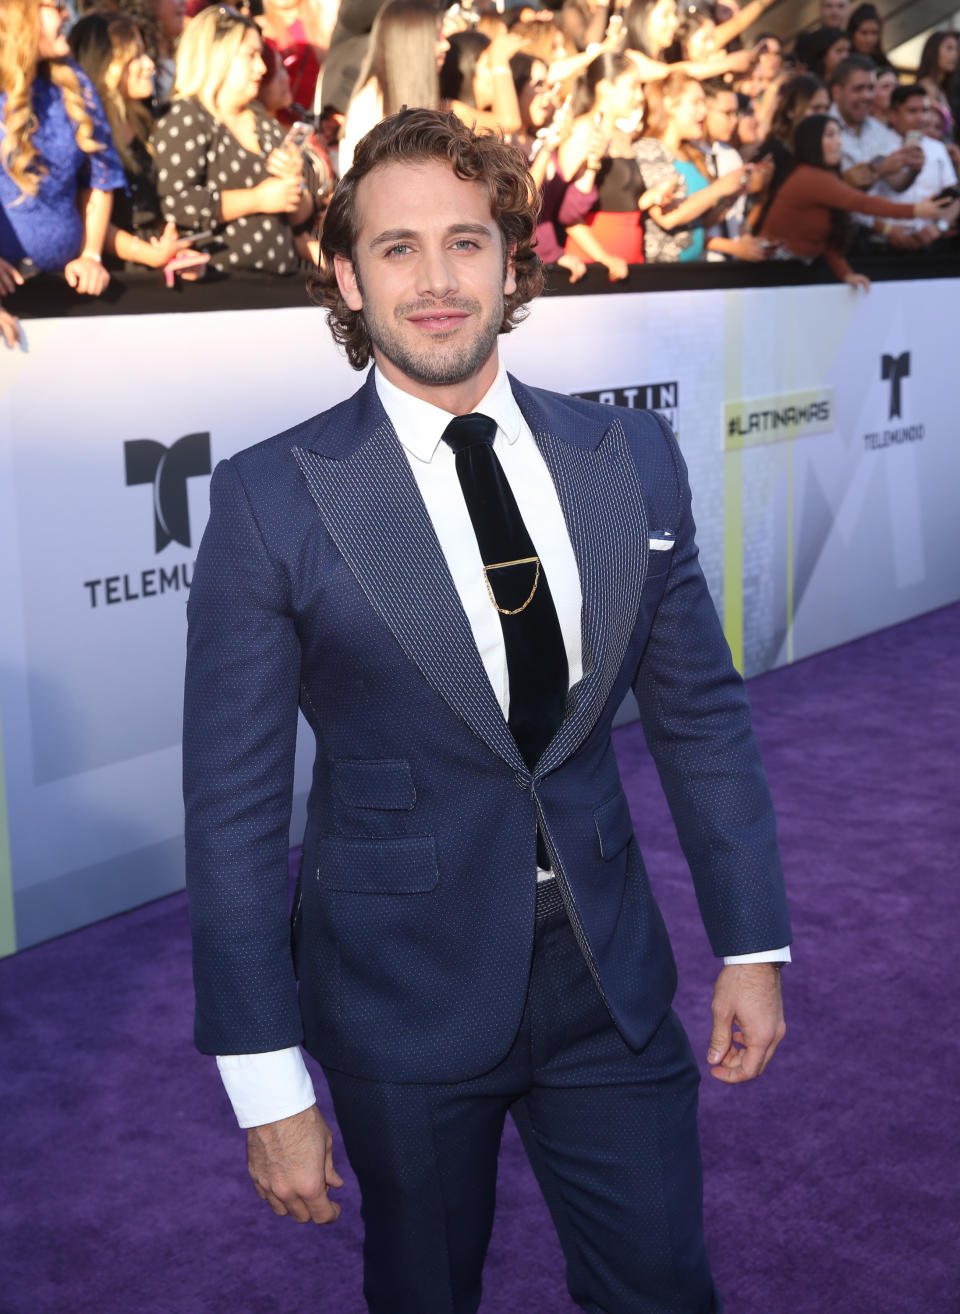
58,166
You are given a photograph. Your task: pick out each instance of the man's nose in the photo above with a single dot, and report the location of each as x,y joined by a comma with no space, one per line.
435,273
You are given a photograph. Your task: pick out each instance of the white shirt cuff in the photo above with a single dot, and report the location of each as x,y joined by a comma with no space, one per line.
266,1087
764,956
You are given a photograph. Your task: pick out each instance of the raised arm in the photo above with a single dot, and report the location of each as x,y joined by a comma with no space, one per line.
693,207
744,18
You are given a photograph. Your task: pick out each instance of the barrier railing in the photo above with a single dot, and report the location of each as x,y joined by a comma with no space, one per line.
818,425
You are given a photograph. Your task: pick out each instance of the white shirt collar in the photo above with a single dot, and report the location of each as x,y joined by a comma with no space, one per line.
834,113
420,424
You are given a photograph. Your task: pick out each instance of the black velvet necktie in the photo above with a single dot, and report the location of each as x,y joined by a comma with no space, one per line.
517,583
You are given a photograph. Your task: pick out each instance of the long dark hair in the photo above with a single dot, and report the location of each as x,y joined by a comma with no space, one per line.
400,55
607,67
808,149
808,140
637,23
792,101
867,14
103,45
459,66
818,46
930,58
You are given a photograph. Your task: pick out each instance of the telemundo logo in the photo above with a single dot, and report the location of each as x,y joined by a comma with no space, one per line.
166,470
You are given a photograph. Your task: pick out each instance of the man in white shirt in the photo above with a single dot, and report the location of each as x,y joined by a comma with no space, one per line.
870,150
474,932
908,109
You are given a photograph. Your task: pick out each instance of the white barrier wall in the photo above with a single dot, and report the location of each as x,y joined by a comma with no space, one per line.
817,424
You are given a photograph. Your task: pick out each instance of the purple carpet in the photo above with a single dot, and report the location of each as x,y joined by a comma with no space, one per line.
832,1183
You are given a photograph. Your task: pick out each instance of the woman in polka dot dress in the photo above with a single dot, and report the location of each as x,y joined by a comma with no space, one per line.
219,159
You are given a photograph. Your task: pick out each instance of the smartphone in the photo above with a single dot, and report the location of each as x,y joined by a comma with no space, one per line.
181,261
298,136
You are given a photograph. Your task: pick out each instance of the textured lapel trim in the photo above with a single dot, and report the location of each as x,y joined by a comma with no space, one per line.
600,495
370,504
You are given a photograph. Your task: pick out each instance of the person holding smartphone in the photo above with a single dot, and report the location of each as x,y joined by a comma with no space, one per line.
675,228
221,160
809,215
908,107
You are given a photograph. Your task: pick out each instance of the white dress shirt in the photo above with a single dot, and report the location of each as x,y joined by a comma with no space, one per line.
937,173
266,1087
865,143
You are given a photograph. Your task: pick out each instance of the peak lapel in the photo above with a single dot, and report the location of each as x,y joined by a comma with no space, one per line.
371,506
596,480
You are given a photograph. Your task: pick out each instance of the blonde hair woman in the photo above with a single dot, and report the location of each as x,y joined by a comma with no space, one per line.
54,146
220,158
401,67
110,50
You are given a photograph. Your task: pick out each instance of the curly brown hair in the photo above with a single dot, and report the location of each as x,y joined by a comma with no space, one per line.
414,135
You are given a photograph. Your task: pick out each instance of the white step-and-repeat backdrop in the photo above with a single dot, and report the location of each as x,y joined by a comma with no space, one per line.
819,427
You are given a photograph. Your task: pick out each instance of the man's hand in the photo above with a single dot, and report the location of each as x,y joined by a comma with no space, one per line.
291,1163
910,239
892,163
748,1021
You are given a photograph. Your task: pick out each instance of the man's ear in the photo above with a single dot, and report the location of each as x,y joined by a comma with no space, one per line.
510,272
348,282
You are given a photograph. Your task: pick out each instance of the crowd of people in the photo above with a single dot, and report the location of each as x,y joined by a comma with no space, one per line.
200,139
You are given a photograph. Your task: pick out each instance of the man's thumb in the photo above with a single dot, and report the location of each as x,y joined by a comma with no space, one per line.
333,1178
719,1040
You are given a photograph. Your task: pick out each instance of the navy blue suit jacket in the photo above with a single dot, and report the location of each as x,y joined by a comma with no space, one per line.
320,584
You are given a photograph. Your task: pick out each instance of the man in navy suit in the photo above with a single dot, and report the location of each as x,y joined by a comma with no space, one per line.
456,579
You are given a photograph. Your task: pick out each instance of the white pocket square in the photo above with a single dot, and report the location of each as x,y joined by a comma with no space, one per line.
661,540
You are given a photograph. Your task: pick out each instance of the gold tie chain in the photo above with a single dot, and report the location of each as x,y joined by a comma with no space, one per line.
500,565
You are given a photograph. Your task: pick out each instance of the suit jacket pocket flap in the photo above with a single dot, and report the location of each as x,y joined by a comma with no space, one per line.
614,826
406,865
375,784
